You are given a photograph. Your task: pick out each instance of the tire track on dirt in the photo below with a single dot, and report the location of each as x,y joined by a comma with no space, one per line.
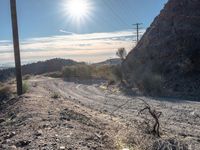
180,117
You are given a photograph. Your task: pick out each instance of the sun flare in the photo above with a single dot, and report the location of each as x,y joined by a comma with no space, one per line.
78,10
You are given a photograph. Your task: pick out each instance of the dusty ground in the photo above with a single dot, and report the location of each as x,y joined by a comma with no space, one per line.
57,114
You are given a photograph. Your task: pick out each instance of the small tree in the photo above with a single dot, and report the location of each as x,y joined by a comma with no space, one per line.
121,53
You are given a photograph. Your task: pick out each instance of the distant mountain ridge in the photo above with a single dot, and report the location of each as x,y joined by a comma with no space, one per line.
52,65
114,61
37,68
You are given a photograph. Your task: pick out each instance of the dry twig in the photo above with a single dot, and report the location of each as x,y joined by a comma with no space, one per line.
155,114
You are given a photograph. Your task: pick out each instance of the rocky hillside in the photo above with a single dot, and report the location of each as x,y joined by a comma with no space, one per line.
38,68
166,60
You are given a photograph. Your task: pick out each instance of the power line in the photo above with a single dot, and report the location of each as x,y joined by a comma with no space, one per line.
103,22
126,8
130,4
118,17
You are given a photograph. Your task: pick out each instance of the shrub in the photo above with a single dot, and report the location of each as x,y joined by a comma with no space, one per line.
5,92
26,77
121,53
79,71
103,71
84,71
25,87
117,72
54,74
170,144
55,95
151,84
108,72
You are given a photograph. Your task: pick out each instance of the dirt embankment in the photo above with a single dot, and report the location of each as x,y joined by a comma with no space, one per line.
41,120
57,114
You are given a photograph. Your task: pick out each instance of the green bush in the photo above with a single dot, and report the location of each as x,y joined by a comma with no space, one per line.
77,71
112,73
103,71
25,87
84,71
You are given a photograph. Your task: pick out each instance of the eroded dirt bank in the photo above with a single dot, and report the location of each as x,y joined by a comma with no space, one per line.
57,114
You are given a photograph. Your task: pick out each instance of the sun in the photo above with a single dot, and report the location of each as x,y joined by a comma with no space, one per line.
78,10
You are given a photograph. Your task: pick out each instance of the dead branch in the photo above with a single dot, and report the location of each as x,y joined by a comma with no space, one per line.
155,115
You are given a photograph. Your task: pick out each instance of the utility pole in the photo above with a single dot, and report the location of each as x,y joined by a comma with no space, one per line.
137,30
16,46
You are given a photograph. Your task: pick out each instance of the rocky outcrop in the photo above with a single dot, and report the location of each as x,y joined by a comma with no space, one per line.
168,55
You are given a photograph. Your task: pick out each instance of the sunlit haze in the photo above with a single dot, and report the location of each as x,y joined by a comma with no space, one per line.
82,30
78,10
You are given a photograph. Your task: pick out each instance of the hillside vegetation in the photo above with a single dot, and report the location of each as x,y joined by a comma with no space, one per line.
85,71
5,92
38,68
166,60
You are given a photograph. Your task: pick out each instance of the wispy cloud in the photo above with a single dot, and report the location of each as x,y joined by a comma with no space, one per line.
92,47
66,32
5,41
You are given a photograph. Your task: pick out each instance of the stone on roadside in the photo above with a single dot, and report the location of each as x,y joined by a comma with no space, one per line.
62,147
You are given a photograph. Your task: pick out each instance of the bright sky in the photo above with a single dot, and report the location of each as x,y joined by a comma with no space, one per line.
84,30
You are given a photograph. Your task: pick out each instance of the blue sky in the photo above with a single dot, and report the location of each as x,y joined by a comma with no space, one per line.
48,19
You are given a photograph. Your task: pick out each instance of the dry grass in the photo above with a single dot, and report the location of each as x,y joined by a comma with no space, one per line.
26,77
5,91
25,87
54,74
136,139
169,144
55,95
149,83
107,72
77,71
129,138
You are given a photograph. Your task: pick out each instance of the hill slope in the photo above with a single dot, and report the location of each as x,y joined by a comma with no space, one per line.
114,61
38,68
168,54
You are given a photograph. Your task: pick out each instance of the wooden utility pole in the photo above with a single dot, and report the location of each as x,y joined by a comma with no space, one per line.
137,30
16,46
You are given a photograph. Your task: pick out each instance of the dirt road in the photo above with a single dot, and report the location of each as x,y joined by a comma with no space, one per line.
86,115
179,118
